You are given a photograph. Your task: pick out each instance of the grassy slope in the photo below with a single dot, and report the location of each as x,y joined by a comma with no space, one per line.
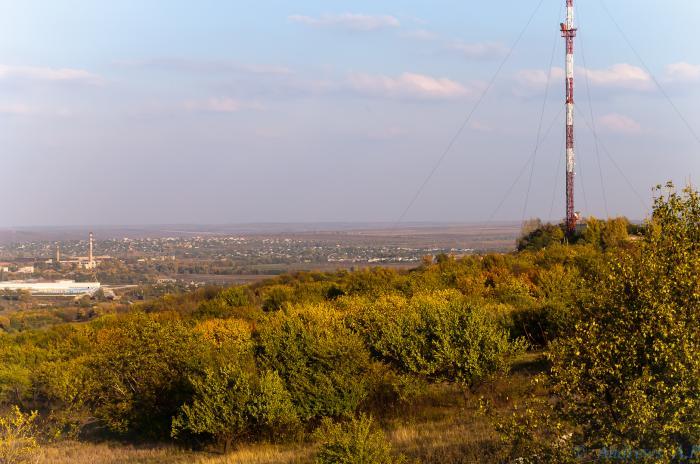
443,427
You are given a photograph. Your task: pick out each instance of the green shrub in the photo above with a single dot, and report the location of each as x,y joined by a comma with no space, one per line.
323,364
236,297
532,432
276,297
18,443
230,404
542,236
358,441
215,308
438,336
15,383
137,372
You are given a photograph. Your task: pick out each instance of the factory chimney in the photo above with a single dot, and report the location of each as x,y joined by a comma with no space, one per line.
58,253
91,260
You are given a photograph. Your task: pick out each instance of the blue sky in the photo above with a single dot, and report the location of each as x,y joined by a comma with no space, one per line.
137,112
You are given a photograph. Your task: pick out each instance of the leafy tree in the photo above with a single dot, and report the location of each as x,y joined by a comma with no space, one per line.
358,441
629,376
437,336
60,387
276,297
372,281
272,412
15,383
323,364
236,297
138,371
614,232
230,403
593,232
606,234
228,335
541,237
552,312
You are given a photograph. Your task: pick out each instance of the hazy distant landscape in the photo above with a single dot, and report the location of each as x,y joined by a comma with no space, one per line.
417,233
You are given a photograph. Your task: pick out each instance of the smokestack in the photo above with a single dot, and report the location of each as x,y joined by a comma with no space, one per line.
58,253
91,261
568,31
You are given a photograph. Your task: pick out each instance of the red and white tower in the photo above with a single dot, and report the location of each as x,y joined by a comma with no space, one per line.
568,31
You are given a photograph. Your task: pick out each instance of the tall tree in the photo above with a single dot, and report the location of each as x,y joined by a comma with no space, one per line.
629,376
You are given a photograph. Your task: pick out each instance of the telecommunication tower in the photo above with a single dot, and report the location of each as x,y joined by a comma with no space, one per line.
568,31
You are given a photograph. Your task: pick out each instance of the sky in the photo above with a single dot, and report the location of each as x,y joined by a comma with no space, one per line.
220,112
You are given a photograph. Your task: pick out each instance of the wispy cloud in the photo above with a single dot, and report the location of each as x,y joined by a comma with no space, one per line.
682,72
478,50
48,74
622,76
537,78
348,21
619,124
204,66
408,86
221,105
532,82
469,50
421,34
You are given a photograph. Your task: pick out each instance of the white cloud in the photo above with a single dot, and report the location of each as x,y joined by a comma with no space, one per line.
348,21
478,50
205,66
408,86
47,74
221,105
421,34
619,76
623,76
537,78
532,82
619,124
683,72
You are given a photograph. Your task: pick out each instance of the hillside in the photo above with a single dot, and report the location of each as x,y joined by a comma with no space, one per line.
555,353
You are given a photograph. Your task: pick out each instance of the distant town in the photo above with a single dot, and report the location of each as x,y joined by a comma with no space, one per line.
79,267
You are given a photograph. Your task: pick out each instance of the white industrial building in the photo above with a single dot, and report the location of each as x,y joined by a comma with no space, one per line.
54,288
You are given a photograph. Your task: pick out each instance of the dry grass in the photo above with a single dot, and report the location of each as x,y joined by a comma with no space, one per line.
113,453
445,429
110,453
264,454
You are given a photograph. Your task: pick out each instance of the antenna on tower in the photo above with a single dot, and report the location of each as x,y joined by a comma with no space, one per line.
568,31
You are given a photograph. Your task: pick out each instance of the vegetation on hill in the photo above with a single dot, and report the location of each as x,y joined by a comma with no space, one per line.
569,351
